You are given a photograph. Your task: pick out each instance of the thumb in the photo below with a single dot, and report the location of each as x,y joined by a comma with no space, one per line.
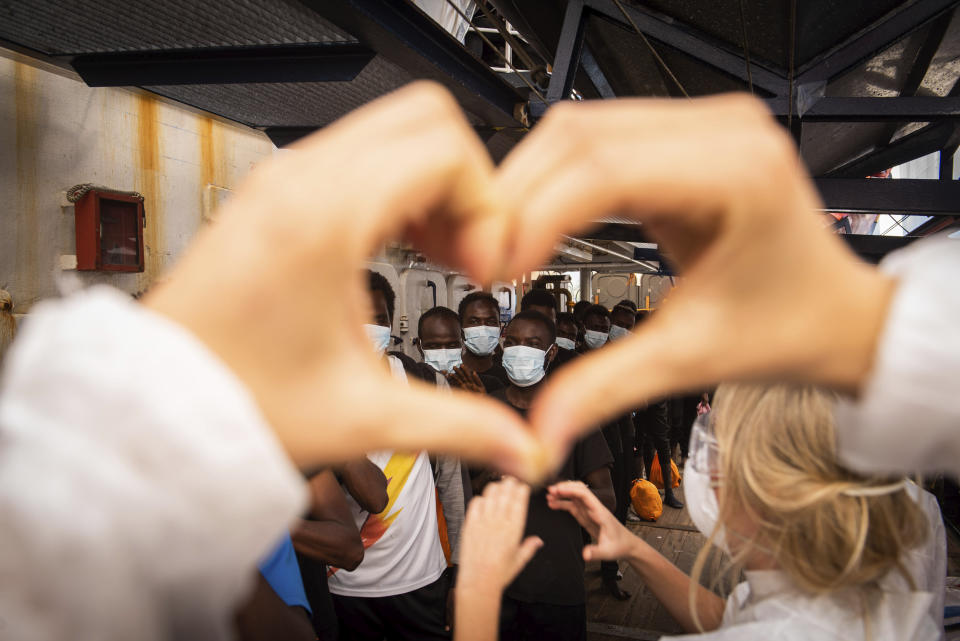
591,553
659,359
459,423
528,548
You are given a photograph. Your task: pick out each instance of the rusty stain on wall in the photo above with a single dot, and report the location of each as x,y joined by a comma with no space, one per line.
27,230
147,173
213,166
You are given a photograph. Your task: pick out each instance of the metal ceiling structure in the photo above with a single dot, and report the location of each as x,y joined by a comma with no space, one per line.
862,86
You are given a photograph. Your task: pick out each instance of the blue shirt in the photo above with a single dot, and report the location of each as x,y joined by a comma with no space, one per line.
281,571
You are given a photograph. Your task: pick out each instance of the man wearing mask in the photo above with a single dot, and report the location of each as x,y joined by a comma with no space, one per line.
400,589
440,341
547,599
596,327
567,332
480,321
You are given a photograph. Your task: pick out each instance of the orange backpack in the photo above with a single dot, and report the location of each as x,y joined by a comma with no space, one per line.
656,476
646,501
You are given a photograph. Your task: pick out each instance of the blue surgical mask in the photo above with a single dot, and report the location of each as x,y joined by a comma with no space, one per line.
566,343
379,337
481,340
594,339
617,332
524,365
443,360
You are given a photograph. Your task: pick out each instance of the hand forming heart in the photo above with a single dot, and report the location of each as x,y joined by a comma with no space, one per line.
274,287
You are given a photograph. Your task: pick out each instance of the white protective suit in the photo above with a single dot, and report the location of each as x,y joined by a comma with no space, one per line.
908,416
139,483
768,606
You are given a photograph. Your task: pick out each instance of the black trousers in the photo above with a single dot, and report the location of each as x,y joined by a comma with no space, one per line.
521,621
421,614
619,437
653,435
324,618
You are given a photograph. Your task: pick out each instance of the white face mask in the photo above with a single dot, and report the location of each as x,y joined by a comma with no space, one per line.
481,340
617,332
524,365
379,337
595,340
443,360
702,503
566,343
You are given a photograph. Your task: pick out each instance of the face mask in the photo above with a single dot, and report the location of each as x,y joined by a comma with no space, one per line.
443,360
566,343
481,340
617,332
702,503
379,337
524,365
594,340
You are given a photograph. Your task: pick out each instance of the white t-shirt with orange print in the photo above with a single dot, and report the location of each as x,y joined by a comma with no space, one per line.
402,550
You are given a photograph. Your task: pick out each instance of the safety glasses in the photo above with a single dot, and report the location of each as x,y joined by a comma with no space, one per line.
704,450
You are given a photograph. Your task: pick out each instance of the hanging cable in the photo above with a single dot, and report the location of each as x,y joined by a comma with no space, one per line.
650,46
498,52
746,46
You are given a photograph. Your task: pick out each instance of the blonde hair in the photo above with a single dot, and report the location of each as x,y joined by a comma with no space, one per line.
826,526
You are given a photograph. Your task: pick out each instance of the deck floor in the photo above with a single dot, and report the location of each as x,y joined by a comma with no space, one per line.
642,616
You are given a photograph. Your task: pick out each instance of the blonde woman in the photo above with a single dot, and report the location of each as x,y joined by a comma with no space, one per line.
827,553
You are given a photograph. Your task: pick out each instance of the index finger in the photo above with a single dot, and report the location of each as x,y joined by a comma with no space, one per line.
644,158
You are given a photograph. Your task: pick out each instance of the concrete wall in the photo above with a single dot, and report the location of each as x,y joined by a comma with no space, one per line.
56,132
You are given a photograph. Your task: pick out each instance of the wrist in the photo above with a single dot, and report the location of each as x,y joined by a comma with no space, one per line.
482,587
859,322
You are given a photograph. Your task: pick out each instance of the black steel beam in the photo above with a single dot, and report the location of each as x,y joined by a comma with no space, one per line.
946,163
224,65
567,60
403,34
870,248
889,196
908,109
862,46
596,75
283,136
696,45
926,140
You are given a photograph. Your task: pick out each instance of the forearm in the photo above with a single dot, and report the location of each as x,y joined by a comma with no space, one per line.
477,613
328,541
366,484
671,586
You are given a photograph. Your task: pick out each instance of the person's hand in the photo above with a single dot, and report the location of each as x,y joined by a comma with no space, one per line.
611,540
466,379
492,547
766,292
274,287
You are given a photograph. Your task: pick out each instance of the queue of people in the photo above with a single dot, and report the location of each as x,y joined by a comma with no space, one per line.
153,453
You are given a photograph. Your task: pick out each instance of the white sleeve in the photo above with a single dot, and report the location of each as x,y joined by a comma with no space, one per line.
139,482
908,416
